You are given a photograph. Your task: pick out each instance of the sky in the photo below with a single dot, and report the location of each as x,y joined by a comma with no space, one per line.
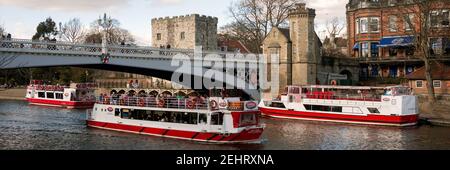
20,17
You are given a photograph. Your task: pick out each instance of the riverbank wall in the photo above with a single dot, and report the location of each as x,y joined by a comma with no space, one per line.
13,94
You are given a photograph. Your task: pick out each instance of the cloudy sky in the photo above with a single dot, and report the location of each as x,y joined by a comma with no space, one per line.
20,17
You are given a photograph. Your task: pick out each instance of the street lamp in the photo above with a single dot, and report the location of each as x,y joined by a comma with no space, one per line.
105,23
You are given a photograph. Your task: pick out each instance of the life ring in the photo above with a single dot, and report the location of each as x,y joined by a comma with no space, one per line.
66,94
161,103
141,102
333,82
213,104
190,104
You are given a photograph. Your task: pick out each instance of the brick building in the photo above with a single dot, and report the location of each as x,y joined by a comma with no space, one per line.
441,82
382,35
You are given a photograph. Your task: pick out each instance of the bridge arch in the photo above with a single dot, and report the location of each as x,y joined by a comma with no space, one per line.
137,60
154,93
113,92
349,75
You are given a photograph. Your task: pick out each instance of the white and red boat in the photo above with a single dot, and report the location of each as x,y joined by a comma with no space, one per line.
390,106
212,120
76,96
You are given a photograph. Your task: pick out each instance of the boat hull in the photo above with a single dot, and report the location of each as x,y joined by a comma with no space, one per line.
60,103
382,120
246,136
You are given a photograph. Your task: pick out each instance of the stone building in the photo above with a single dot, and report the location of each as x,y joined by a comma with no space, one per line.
298,48
185,32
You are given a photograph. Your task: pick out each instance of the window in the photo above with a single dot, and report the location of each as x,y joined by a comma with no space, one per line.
374,24
183,36
364,49
158,36
247,119
446,44
437,83
41,94
445,18
419,84
393,52
336,109
374,49
117,113
392,2
364,27
357,26
440,18
436,46
393,23
409,22
409,1
50,95
217,119
202,119
368,25
373,110
59,96
410,51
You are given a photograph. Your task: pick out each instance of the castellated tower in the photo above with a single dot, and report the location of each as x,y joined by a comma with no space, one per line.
305,48
185,32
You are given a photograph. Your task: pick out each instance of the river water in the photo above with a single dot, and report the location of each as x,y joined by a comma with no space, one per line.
24,127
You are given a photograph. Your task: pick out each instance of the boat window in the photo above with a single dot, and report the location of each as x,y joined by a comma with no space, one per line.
59,96
373,110
160,116
50,95
248,119
336,109
117,112
278,105
125,114
217,119
41,95
294,90
203,119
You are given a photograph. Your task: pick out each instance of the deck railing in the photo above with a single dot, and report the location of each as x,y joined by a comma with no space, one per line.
172,103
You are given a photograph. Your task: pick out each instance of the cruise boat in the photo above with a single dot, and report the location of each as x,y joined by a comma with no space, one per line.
389,106
75,96
211,120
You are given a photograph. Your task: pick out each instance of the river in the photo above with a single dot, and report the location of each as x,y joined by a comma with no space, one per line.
24,127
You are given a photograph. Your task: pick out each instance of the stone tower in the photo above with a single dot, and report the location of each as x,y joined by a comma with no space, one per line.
305,45
185,32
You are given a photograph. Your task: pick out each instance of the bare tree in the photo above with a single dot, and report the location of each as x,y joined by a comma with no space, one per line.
253,19
419,18
334,28
73,30
114,33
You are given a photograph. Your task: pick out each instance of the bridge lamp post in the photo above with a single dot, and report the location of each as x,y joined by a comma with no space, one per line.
105,23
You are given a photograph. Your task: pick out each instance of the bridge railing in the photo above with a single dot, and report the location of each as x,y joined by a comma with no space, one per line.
22,45
68,48
146,51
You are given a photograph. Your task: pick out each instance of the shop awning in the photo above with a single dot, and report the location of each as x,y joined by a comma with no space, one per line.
397,41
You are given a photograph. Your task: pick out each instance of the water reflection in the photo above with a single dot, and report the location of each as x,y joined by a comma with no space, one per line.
34,127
